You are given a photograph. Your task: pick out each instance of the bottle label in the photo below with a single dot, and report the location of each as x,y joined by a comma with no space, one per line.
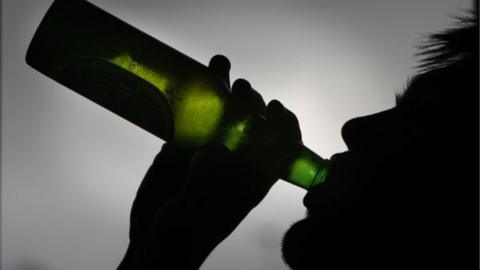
121,92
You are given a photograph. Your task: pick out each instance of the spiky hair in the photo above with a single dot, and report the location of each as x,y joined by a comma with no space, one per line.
451,45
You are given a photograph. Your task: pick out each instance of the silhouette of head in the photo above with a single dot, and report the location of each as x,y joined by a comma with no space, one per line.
405,194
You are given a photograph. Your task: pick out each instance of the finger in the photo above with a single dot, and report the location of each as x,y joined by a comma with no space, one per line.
220,65
243,92
215,170
283,120
274,110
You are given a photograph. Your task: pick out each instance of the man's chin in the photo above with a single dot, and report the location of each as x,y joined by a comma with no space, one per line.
315,243
298,249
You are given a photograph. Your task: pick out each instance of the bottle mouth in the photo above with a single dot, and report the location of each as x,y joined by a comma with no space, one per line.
321,174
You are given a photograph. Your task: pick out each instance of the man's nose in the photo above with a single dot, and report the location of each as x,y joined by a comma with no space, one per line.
372,133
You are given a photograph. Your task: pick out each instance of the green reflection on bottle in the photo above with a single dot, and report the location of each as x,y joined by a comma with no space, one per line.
308,171
197,109
197,117
126,62
235,134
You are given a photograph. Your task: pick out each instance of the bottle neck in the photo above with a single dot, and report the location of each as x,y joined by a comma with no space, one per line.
251,136
306,168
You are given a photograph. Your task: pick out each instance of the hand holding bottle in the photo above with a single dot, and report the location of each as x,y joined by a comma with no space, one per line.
193,198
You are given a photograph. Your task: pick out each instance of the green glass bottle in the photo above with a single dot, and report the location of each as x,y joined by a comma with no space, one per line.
159,89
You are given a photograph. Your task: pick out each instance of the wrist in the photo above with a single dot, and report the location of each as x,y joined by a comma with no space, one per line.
182,235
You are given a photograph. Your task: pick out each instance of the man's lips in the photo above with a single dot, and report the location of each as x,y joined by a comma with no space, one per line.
341,168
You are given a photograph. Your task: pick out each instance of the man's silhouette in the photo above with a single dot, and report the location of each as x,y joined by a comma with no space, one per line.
403,196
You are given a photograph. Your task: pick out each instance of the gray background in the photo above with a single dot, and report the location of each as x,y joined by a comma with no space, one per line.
70,169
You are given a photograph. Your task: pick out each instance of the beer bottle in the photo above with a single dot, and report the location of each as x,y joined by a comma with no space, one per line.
159,89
